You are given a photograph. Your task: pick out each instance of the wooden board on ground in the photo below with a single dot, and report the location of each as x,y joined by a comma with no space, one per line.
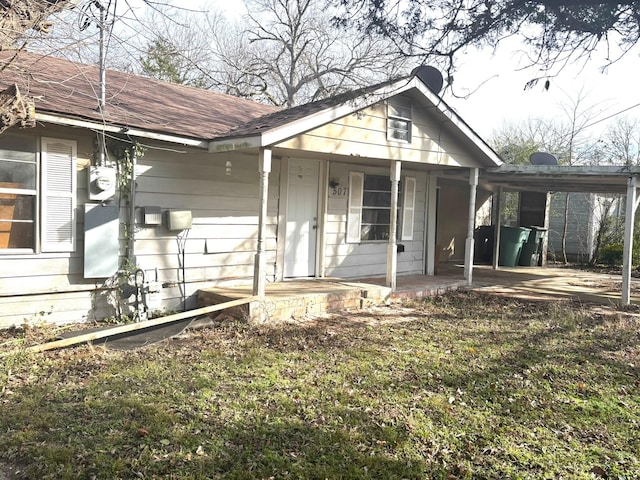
95,335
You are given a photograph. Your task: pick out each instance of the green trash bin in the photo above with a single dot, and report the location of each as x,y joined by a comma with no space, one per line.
530,254
511,241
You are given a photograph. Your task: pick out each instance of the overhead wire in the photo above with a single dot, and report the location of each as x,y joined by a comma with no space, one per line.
611,116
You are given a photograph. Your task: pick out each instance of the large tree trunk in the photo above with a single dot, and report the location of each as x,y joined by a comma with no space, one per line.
603,224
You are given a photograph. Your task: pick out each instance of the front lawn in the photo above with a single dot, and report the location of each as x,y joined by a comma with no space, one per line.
460,386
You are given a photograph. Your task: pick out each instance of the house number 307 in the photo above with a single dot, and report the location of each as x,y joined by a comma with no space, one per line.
339,191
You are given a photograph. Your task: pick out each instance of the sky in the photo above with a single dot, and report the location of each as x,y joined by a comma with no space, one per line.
499,96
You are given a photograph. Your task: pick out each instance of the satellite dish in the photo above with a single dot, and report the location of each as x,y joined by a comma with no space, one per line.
431,77
543,158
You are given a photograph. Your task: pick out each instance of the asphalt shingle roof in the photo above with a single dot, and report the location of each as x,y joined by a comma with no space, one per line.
282,117
66,88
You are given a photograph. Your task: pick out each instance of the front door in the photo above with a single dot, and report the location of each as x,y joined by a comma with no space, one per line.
302,219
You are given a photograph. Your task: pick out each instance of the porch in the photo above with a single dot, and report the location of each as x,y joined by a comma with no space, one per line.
303,298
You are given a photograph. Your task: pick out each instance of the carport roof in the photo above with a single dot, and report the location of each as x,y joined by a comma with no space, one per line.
554,178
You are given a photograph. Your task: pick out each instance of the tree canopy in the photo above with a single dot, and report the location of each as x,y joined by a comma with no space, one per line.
20,16
557,31
282,52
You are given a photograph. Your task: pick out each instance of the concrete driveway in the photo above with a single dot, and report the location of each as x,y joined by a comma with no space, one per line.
553,282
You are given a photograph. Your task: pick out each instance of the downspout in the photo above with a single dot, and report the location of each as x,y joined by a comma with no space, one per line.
471,225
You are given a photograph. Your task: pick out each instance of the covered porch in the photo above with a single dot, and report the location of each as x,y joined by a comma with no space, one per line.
300,299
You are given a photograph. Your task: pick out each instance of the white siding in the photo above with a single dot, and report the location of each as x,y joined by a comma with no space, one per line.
219,248
364,134
221,245
368,259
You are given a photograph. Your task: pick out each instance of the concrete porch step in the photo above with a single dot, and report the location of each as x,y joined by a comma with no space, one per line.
289,300
296,299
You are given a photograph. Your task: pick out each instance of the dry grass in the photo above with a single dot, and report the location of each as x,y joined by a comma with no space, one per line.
460,386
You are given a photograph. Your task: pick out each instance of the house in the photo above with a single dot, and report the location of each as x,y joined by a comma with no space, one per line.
585,213
165,189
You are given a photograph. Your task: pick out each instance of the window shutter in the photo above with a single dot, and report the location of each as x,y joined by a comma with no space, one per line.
354,216
408,208
59,180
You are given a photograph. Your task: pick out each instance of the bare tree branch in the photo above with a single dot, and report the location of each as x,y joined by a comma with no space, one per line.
556,32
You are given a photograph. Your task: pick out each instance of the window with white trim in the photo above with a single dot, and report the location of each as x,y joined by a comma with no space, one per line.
37,194
369,210
399,118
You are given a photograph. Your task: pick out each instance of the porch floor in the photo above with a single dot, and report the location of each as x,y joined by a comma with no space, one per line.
301,298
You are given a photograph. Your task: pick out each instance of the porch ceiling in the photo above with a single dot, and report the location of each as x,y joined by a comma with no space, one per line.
552,178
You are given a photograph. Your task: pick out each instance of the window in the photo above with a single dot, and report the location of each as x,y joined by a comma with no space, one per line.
18,194
399,120
369,212
33,181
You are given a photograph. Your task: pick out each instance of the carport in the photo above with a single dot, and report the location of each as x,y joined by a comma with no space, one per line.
553,178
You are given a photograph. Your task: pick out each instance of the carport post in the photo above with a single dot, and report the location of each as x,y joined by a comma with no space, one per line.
392,249
496,233
471,225
260,266
630,213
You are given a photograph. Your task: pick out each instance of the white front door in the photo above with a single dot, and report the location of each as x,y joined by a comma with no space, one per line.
302,219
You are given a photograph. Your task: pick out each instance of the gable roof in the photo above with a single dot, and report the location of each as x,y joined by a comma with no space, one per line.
281,125
61,87
280,118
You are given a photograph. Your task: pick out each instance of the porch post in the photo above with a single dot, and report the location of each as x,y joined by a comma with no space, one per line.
430,222
325,169
260,265
392,249
630,213
496,233
471,225
545,238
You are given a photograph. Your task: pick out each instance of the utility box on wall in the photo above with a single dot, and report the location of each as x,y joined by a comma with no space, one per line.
101,247
152,216
179,219
102,183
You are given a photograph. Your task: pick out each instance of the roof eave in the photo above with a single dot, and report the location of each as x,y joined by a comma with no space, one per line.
228,144
133,132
